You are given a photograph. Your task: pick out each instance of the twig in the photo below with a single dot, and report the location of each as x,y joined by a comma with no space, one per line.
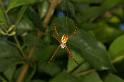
20,16
25,67
51,9
19,46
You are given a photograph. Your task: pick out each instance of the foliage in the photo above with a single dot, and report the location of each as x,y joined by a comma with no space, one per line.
31,31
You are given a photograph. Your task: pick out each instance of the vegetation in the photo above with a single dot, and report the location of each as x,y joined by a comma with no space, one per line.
61,41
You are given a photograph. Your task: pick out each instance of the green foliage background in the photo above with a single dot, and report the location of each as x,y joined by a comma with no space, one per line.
26,44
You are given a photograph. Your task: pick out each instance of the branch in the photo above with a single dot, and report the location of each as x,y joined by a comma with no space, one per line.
51,9
25,67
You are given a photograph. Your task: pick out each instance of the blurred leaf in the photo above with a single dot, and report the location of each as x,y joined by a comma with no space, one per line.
106,33
7,50
42,50
118,11
81,69
113,78
24,26
31,39
34,17
91,50
64,25
6,63
9,73
68,7
43,53
116,49
89,26
43,7
88,1
71,63
9,55
114,19
16,3
38,81
2,17
65,77
108,4
46,67
90,13
90,77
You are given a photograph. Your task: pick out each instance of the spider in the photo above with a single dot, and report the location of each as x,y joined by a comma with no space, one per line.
64,39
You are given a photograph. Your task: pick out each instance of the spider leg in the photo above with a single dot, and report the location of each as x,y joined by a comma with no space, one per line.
55,30
54,54
56,35
74,32
70,55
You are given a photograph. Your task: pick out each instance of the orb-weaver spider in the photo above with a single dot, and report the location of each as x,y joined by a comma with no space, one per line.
64,39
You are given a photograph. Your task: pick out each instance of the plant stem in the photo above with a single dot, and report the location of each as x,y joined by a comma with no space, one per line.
20,14
19,46
51,9
25,67
23,73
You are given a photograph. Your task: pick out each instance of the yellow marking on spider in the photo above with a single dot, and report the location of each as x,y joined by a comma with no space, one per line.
64,40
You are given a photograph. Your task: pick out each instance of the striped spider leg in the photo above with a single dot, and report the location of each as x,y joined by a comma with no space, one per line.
62,41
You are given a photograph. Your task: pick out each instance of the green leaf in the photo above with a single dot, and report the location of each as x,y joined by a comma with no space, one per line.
108,4
71,63
31,40
2,17
65,77
9,55
42,50
106,33
68,7
116,49
43,7
113,78
46,67
7,50
91,50
38,81
89,13
87,1
24,26
16,3
64,25
82,69
9,73
43,53
6,63
90,77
